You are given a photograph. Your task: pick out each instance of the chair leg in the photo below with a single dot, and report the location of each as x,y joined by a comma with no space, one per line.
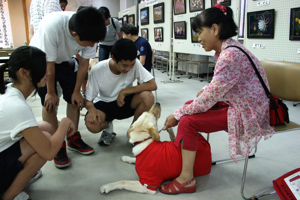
155,90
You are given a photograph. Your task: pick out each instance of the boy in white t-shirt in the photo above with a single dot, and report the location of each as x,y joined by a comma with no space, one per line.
110,94
62,35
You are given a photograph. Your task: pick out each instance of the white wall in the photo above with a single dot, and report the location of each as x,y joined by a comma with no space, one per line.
279,48
112,5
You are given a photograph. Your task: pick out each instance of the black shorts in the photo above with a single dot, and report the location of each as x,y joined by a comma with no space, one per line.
10,166
65,75
113,111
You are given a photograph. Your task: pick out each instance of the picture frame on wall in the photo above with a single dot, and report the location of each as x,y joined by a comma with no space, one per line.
194,35
144,33
180,30
197,5
295,24
131,19
158,34
179,7
145,16
224,3
260,24
159,13
125,18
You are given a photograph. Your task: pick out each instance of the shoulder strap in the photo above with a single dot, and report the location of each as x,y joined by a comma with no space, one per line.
255,69
113,23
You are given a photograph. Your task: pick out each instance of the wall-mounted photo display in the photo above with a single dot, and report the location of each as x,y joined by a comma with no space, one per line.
158,34
295,24
131,19
224,3
145,16
260,24
125,18
120,21
197,5
194,35
180,30
159,13
144,33
179,7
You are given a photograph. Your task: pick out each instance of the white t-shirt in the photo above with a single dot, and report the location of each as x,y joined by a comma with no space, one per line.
111,33
15,116
40,8
54,38
105,86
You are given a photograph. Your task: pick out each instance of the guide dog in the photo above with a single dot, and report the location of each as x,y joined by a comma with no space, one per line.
156,161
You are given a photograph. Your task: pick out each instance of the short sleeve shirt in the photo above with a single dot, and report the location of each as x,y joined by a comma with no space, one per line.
15,116
144,49
111,33
54,38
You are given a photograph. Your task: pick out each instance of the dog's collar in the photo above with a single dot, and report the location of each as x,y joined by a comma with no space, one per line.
139,142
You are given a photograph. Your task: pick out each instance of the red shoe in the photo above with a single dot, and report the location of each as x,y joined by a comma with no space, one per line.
61,159
75,143
174,187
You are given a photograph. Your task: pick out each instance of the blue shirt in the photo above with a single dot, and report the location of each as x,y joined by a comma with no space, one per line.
144,48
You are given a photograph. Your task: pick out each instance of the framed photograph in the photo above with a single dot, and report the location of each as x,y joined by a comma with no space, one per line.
197,5
125,18
144,33
224,3
180,30
120,21
194,35
179,7
295,24
130,19
260,24
145,16
158,34
159,13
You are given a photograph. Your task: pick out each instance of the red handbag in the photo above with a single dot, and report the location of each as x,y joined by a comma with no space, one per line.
278,110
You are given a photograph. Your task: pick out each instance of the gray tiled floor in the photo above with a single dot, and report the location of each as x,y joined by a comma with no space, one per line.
83,179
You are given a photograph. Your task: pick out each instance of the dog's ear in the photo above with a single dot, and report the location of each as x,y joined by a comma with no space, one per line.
129,131
154,133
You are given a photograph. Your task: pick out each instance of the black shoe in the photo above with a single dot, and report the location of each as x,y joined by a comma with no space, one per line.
75,143
61,159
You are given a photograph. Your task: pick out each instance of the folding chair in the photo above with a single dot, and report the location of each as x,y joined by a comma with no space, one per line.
283,78
152,69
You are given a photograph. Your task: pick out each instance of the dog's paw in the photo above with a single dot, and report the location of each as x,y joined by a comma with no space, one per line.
105,189
128,159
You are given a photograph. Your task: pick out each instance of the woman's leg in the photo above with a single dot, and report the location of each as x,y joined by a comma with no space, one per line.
188,129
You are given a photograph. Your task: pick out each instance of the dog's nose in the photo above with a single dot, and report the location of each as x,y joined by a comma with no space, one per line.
157,103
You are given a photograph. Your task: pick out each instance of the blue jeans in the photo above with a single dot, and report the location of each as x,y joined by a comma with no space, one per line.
104,52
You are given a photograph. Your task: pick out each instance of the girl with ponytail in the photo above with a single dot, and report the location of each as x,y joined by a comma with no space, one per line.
25,144
234,100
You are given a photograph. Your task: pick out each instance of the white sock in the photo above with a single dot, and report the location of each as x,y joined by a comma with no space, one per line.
110,128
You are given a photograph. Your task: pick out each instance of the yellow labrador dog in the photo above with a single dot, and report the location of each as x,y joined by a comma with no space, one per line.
156,161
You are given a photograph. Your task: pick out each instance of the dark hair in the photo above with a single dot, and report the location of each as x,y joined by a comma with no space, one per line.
105,12
89,24
214,15
63,1
130,28
29,58
124,49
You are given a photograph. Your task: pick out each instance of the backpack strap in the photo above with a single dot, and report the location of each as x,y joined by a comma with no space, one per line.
113,23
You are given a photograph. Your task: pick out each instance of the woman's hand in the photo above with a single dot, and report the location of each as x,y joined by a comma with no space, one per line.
199,93
171,121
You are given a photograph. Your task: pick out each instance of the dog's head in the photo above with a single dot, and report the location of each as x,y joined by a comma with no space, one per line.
145,126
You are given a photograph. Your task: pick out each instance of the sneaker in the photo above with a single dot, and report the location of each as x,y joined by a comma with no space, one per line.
106,138
75,143
36,176
22,196
61,159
